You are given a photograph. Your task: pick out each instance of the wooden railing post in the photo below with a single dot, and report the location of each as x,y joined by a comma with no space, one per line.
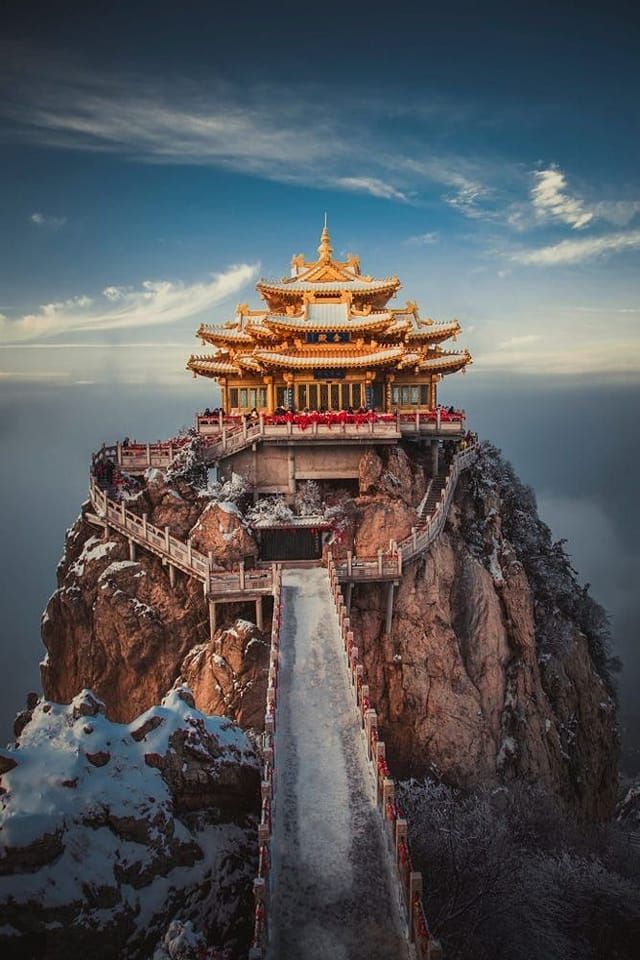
148,454
380,561
415,891
167,541
144,525
349,562
241,572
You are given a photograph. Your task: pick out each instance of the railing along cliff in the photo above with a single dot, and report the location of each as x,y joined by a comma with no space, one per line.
426,947
261,882
178,554
387,565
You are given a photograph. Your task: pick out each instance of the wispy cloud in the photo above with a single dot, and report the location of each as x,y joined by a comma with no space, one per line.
261,131
41,220
373,186
423,239
119,308
577,251
550,198
519,341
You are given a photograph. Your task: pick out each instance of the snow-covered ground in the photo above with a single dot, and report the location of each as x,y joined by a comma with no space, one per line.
332,892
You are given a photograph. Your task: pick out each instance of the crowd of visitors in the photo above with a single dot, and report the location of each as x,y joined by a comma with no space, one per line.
306,416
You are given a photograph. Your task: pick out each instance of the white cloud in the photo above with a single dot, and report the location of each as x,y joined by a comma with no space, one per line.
577,251
423,239
372,185
154,303
550,199
618,212
40,220
519,341
261,130
465,200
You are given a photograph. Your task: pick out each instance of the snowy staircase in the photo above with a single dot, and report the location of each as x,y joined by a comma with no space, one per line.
332,892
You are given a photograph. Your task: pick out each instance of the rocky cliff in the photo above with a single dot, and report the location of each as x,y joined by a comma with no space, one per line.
117,627
496,666
109,832
495,669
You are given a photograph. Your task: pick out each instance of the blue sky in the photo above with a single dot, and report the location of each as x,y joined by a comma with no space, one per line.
155,162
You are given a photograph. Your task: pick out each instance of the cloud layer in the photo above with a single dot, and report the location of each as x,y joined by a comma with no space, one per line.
577,251
155,303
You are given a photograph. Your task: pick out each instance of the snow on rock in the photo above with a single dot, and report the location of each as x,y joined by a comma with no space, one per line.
108,831
222,530
182,942
229,674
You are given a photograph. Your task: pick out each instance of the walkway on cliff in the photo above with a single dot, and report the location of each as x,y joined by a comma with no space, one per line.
332,890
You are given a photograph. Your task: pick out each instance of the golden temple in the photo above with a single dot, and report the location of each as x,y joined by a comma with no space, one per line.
327,339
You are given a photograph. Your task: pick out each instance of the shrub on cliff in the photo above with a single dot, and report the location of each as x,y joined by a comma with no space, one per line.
509,877
188,465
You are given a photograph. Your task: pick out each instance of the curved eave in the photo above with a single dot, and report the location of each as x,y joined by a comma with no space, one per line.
356,287
437,336
446,363
208,367
352,325
308,362
216,335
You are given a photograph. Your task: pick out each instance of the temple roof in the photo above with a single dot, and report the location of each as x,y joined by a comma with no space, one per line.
327,315
310,361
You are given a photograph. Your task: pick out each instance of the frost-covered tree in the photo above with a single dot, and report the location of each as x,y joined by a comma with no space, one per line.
270,510
508,876
308,501
188,465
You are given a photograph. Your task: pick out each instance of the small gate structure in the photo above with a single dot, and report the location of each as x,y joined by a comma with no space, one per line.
300,540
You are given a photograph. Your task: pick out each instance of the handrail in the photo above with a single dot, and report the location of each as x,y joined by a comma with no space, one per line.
390,563
261,881
426,947
176,552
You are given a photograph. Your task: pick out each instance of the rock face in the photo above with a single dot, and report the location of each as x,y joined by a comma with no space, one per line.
222,529
228,674
495,668
491,672
97,858
118,627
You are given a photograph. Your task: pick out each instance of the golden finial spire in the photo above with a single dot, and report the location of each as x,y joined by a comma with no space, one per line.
325,249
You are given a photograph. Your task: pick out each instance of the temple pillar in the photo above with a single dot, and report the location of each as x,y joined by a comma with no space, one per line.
259,614
271,403
435,458
132,550
388,395
172,575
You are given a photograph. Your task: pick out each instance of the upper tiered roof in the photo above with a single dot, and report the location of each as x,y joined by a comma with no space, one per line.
327,314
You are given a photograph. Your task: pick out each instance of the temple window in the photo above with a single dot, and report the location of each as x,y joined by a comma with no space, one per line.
410,395
334,396
246,398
